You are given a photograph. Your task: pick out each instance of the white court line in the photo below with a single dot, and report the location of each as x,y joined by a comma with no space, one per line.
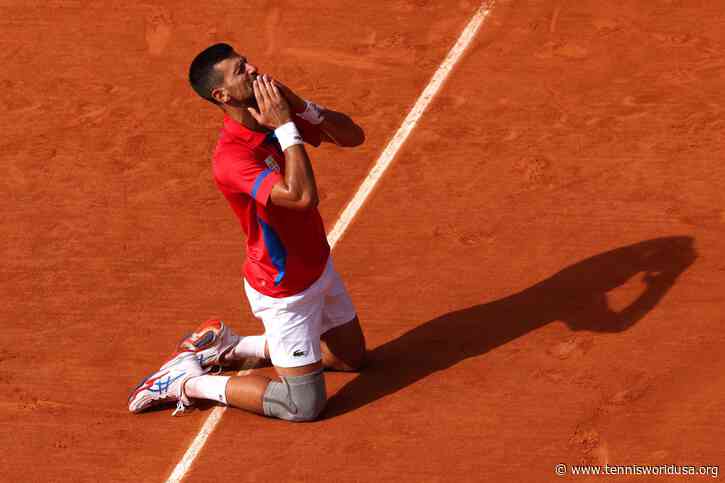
195,448
454,55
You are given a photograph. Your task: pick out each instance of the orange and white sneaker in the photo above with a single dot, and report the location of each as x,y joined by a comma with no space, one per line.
167,384
211,341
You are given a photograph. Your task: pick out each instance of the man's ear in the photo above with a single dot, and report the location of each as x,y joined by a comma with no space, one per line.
220,94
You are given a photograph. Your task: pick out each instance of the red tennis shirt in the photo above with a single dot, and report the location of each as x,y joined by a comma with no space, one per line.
287,250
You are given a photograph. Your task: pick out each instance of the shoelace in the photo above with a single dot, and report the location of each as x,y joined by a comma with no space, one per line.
182,409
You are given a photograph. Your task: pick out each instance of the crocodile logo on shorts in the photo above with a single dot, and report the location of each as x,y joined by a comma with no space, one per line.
298,353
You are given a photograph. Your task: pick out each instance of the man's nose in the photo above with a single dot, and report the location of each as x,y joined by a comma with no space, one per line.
251,69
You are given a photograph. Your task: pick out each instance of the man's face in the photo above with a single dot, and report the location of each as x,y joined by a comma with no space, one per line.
236,88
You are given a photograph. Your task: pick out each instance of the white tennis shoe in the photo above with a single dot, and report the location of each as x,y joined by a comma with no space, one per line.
211,341
167,385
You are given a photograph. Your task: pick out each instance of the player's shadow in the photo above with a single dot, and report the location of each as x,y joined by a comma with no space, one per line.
576,295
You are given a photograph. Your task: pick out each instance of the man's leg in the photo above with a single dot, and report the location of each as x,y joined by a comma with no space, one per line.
292,343
182,378
298,397
301,394
343,347
343,342
243,392
342,339
303,338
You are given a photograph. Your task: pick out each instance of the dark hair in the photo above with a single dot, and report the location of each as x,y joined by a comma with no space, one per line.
203,77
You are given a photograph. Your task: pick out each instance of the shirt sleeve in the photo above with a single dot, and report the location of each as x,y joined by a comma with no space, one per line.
244,174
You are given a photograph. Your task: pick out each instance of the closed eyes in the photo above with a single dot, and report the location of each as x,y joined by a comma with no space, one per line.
241,63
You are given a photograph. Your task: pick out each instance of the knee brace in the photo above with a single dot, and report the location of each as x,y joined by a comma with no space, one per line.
296,398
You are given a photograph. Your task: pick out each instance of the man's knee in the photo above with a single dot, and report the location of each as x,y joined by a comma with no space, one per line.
296,398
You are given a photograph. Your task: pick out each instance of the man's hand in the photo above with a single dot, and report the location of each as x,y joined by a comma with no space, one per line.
274,110
297,104
336,127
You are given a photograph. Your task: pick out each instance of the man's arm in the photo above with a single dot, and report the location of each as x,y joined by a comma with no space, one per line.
298,189
336,127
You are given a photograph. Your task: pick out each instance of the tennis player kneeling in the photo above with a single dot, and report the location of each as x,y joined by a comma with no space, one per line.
261,166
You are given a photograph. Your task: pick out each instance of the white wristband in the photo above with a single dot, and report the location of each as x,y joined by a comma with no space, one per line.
312,113
287,135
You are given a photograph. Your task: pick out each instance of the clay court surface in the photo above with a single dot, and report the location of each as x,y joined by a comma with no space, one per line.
539,274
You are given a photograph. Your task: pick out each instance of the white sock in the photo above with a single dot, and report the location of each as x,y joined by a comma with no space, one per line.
250,346
207,387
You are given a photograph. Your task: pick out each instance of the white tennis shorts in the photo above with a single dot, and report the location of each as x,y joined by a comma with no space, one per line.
293,325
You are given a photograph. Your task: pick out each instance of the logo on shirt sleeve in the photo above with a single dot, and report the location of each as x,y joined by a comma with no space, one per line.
272,164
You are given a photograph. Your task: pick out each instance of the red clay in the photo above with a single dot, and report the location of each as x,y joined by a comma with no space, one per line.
539,274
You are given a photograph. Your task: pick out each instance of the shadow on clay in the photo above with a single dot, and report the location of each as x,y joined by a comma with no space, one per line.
577,295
